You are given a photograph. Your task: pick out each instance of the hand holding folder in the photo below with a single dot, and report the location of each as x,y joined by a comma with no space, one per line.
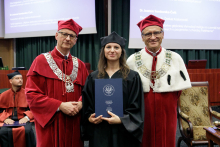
114,119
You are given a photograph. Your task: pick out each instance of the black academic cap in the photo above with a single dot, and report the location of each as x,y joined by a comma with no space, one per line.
11,75
113,38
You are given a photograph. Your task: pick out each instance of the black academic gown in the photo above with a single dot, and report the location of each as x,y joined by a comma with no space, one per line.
129,132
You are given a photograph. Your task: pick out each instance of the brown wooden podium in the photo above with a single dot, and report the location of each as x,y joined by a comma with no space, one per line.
196,75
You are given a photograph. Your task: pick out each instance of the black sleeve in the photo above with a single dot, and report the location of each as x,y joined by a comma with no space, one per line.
1,110
88,107
133,119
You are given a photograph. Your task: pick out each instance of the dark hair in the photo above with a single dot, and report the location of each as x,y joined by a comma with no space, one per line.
102,64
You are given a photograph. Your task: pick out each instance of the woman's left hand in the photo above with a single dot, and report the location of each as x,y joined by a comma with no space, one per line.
114,119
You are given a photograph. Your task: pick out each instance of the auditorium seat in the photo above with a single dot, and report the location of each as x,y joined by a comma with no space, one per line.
195,113
3,89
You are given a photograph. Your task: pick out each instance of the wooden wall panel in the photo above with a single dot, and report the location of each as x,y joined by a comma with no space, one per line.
217,87
4,82
7,52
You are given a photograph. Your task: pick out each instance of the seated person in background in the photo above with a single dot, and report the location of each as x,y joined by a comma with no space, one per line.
14,107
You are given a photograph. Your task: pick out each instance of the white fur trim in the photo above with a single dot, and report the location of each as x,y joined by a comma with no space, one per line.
176,83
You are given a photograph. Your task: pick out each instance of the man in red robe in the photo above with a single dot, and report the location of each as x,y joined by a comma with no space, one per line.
164,75
53,89
15,116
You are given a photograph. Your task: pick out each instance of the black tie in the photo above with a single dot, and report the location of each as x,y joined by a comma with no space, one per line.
65,57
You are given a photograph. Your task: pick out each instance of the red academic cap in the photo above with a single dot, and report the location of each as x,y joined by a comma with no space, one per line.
69,24
151,20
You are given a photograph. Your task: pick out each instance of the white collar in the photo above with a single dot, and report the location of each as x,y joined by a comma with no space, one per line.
153,52
62,53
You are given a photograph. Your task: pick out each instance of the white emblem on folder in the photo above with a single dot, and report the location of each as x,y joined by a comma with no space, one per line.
108,90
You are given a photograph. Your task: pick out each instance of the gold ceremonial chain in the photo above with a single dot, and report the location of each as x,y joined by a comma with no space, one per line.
66,78
153,75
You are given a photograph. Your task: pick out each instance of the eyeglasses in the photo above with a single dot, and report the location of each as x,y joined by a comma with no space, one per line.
156,34
65,35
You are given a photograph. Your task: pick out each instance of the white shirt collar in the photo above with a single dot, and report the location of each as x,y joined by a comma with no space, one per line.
154,54
62,53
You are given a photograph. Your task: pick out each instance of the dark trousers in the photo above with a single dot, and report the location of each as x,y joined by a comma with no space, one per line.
6,136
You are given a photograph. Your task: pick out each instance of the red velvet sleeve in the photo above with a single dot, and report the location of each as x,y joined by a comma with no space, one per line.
42,106
3,116
80,98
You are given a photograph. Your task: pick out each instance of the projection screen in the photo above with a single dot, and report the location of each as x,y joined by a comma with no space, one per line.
189,24
30,18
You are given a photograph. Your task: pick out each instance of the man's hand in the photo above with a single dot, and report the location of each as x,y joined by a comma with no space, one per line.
114,119
94,120
69,108
9,121
23,120
79,105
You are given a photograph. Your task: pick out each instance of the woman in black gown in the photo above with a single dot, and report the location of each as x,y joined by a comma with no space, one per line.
115,131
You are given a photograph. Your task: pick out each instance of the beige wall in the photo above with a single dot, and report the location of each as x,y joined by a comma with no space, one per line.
6,52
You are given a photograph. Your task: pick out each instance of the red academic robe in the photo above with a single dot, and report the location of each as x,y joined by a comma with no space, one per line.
45,92
160,119
8,100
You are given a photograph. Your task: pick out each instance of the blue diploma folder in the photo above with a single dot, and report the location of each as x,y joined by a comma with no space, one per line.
16,124
108,97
